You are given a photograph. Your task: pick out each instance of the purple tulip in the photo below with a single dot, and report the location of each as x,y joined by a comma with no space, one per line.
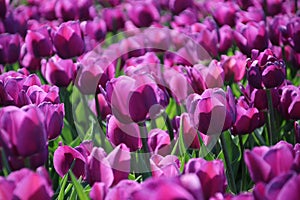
224,13
210,173
277,26
159,141
265,163
9,48
209,112
28,60
141,100
70,10
164,166
247,118
294,32
225,39
290,102
110,3
123,190
97,168
25,184
45,93
273,7
103,106
38,42
94,30
234,66
114,18
3,8
119,160
65,157
59,72
177,6
98,191
259,98
23,136
253,13
251,36
54,118
297,131
118,133
68,40
265,70
143,14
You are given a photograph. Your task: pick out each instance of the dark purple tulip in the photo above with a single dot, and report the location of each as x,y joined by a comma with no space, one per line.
210,173
259,98
119,160
209,40
45,93
156,188
103,106
207,109
273,7
168,166
95,29
109,3
177,6
225,39
123,190
297,131
58,71
68,40
265,163
224,13
23,136
118,133
185,18
64,157
290,102
47,9
114,18
25,184
143,14
159,141
293,30
66,10
234,66
9,48
54,118
3,8
276,27
255,14
251,36
28,60
98,169
247,118
38,42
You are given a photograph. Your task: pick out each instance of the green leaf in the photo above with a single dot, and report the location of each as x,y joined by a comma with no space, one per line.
78,187
61,194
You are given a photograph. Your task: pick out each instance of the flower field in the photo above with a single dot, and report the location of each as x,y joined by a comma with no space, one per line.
149,99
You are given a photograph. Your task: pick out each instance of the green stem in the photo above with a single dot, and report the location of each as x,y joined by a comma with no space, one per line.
228,165
259,137
169,126
271,119
242,162
146,155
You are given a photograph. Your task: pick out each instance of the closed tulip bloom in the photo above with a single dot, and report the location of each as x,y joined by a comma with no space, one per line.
143,14
67,40
177,6
65,157
118,133
23,135
293,31
104,108
164,166
265,163
259,98
9,48
224,13
98,191
253,13
58,71
38,42
28,60
97,168
123,190
251,36
225,39
95,29
276,27
54,118
210,173
274,7
3,8
114,18
159,141
45,93
290,102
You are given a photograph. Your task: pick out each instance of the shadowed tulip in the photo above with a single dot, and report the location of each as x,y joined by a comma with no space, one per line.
67,40
277,26
290,102
259,98
38,42
109,3
118,133
250,36
265,163
159,141
210,173
54,118
114,18
58,72
273,7
164,166
65,157
9,48
103,107
23,136
28,60
3,8
297,131
177,6
293,30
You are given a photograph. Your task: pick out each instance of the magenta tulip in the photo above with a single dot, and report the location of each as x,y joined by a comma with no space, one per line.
9,48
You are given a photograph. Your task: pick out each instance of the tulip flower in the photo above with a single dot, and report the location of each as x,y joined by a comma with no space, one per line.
277,26
114,18
123,190
251,36
177,6
97,168
159,141
265,163
143,14
104,108
54,118
23,136
65,157
44,93
3,8
164,166
68,40
253,13
9,48
118,133
38,42
224,13
210,173
293,31
28,60
58,72
290,102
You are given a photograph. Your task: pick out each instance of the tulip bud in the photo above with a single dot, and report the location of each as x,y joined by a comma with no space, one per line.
9,48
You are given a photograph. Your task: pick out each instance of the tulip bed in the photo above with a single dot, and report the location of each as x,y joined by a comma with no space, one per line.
155,99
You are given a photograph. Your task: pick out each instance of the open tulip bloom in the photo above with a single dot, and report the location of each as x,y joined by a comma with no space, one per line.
154,100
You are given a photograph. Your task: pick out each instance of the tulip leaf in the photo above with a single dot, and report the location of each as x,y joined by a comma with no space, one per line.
61,194
78,187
